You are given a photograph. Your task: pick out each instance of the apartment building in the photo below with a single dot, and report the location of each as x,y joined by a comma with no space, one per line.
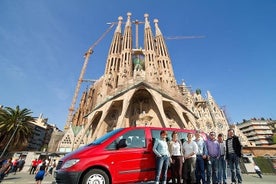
258,131
42,132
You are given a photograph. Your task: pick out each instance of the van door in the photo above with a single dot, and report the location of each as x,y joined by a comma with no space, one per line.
131,163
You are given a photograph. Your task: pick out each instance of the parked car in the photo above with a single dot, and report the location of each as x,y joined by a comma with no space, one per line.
123,155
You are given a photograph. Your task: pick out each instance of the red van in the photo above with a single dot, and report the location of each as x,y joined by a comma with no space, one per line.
123,155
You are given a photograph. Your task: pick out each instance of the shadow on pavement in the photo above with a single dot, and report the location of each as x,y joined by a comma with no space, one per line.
11,177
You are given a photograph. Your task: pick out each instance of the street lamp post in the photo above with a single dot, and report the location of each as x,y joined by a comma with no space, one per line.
7,145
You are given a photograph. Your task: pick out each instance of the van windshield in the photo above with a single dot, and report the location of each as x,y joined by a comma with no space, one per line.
105,137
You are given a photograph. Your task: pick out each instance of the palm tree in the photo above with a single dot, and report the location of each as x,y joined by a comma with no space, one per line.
15,124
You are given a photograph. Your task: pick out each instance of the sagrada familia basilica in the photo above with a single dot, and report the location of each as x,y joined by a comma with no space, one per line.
138,88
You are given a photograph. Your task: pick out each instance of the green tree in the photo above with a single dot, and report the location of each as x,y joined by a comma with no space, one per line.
15,121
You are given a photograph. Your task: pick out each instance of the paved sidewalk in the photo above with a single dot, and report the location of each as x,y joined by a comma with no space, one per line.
26,178
254,179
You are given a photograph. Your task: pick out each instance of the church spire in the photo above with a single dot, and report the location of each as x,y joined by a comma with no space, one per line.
126,70
157,30
113,59
119,26
150,55
163,59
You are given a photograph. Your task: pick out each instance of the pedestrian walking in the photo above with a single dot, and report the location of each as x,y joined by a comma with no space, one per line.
52,166
190,150
233,155
258,171
40,172
176,152
21,164
5,169
160,148
33,166
14,165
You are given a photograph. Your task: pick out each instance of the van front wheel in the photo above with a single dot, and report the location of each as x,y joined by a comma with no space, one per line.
96,176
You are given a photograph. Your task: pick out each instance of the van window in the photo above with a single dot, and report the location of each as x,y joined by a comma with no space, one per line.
105,137
134,139
156,135
182,136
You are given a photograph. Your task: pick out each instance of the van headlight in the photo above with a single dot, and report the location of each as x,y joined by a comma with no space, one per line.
70,163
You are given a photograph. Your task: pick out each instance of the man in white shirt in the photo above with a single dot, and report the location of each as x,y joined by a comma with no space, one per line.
222,161
190,150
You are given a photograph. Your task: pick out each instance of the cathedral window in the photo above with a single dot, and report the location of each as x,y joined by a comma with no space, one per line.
164,65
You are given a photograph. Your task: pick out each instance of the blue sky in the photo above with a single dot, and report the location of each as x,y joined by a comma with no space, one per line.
42,45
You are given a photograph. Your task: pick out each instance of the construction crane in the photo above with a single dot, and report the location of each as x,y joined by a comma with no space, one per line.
182,37
86,58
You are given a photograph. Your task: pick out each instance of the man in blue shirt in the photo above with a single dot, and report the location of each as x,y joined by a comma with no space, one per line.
200,156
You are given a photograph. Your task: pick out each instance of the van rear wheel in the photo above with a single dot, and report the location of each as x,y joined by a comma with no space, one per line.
96,176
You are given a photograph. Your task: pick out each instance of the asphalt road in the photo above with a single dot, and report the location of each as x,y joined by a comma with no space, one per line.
25,178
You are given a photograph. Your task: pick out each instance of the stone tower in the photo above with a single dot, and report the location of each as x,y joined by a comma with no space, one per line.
138,88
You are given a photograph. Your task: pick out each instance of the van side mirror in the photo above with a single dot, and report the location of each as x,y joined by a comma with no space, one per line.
122,144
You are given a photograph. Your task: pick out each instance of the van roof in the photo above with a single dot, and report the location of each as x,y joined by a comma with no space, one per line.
162,128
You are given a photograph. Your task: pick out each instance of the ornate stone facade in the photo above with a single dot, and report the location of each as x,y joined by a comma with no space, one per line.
138,88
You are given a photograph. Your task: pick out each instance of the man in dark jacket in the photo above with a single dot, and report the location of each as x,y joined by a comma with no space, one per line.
233,155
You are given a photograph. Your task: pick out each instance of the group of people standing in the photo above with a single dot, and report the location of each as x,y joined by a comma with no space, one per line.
198,160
